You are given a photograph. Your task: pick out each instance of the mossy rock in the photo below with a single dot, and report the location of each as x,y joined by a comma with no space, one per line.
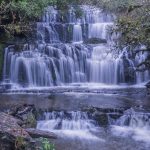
29,120
102,119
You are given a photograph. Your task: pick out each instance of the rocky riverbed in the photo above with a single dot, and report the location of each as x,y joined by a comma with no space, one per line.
110,119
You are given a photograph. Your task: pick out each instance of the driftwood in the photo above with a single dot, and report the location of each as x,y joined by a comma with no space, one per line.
36,133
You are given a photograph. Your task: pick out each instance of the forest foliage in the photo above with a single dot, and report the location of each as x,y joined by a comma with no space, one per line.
133,26
17,15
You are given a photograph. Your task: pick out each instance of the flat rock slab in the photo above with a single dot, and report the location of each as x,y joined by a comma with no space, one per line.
36,133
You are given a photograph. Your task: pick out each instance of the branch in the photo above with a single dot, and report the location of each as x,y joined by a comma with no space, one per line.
142,50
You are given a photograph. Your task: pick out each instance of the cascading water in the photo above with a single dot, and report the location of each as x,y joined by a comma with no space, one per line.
51,61
77,33
133,124
103,67
76,124
85,125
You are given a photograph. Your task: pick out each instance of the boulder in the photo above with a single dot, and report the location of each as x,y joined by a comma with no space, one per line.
11,132
13,136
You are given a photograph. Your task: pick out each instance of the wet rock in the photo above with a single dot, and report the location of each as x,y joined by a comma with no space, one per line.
36,133
129,71
14,137
148,85
102,119
104,110
104,116
115,116
26,113
95,41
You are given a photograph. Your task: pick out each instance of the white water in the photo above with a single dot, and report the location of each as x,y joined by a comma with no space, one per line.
135,125
71,124
77,125
77,33
54,62
103,66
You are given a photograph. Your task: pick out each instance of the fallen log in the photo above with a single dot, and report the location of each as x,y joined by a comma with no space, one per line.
36,133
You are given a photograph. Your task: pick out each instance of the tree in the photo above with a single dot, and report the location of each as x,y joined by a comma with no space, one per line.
17,15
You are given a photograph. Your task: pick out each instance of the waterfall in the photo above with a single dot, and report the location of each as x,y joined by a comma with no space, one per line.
102,65
60,55
133,124
68,123
99,30
77,33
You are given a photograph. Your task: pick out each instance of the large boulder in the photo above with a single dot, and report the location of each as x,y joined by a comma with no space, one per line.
12,136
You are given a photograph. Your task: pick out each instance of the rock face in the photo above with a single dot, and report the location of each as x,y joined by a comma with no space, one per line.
10,131
16,132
